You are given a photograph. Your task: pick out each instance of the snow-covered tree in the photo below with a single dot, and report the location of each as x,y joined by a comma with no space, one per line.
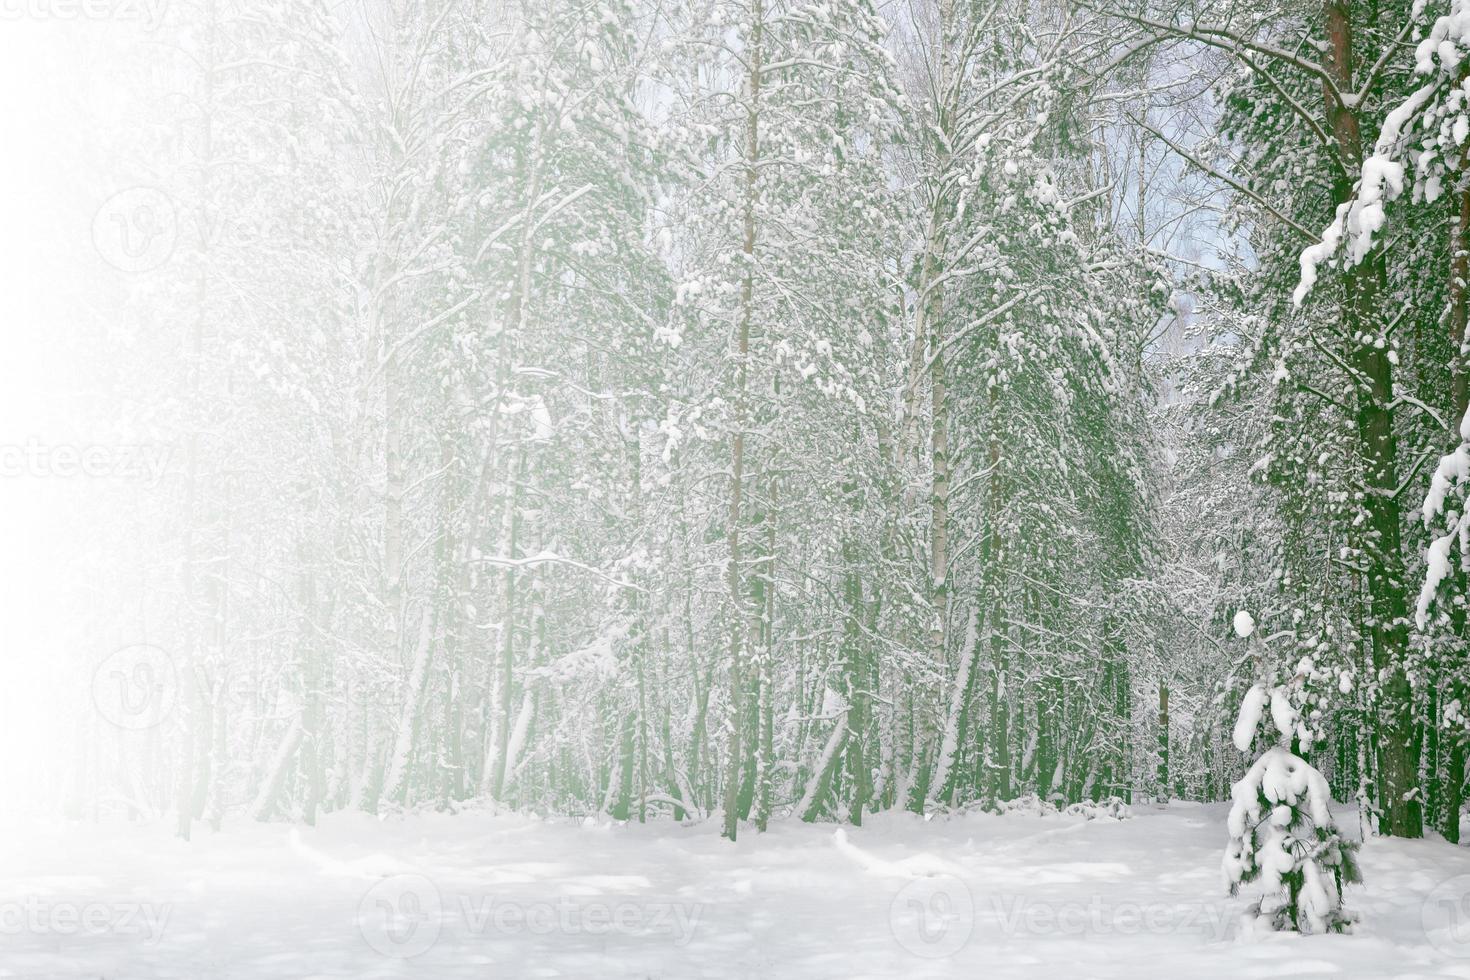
752,405
1283,837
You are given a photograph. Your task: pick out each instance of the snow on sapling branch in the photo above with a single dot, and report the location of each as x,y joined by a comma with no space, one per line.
1450,479
1282,834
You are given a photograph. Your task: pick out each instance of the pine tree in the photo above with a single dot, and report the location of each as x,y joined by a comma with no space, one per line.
1282,833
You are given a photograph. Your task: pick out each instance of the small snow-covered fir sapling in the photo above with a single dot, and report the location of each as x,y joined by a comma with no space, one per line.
1282,835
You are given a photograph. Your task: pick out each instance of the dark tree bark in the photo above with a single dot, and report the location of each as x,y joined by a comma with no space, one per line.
1162,779
1397,745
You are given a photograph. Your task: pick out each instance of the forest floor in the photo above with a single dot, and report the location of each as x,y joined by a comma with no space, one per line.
482,896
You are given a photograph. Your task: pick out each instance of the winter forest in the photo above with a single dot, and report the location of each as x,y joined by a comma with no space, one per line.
785,421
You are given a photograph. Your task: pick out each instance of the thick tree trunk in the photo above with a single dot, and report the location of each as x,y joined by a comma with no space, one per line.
1452,789
1396,744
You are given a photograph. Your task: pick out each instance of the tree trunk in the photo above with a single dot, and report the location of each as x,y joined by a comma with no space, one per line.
957,719
311,683
623,801
1161,786
736,748
505,678
405,743
856,682
766,602
814,800
1395,739
997,748
1454,777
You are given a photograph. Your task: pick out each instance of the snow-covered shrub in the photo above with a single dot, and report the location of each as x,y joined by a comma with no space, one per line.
1113,807
1282,834
1029,805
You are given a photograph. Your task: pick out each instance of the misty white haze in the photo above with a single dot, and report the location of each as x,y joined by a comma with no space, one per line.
734,488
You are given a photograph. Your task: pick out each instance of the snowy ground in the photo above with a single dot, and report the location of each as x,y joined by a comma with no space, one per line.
483,896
